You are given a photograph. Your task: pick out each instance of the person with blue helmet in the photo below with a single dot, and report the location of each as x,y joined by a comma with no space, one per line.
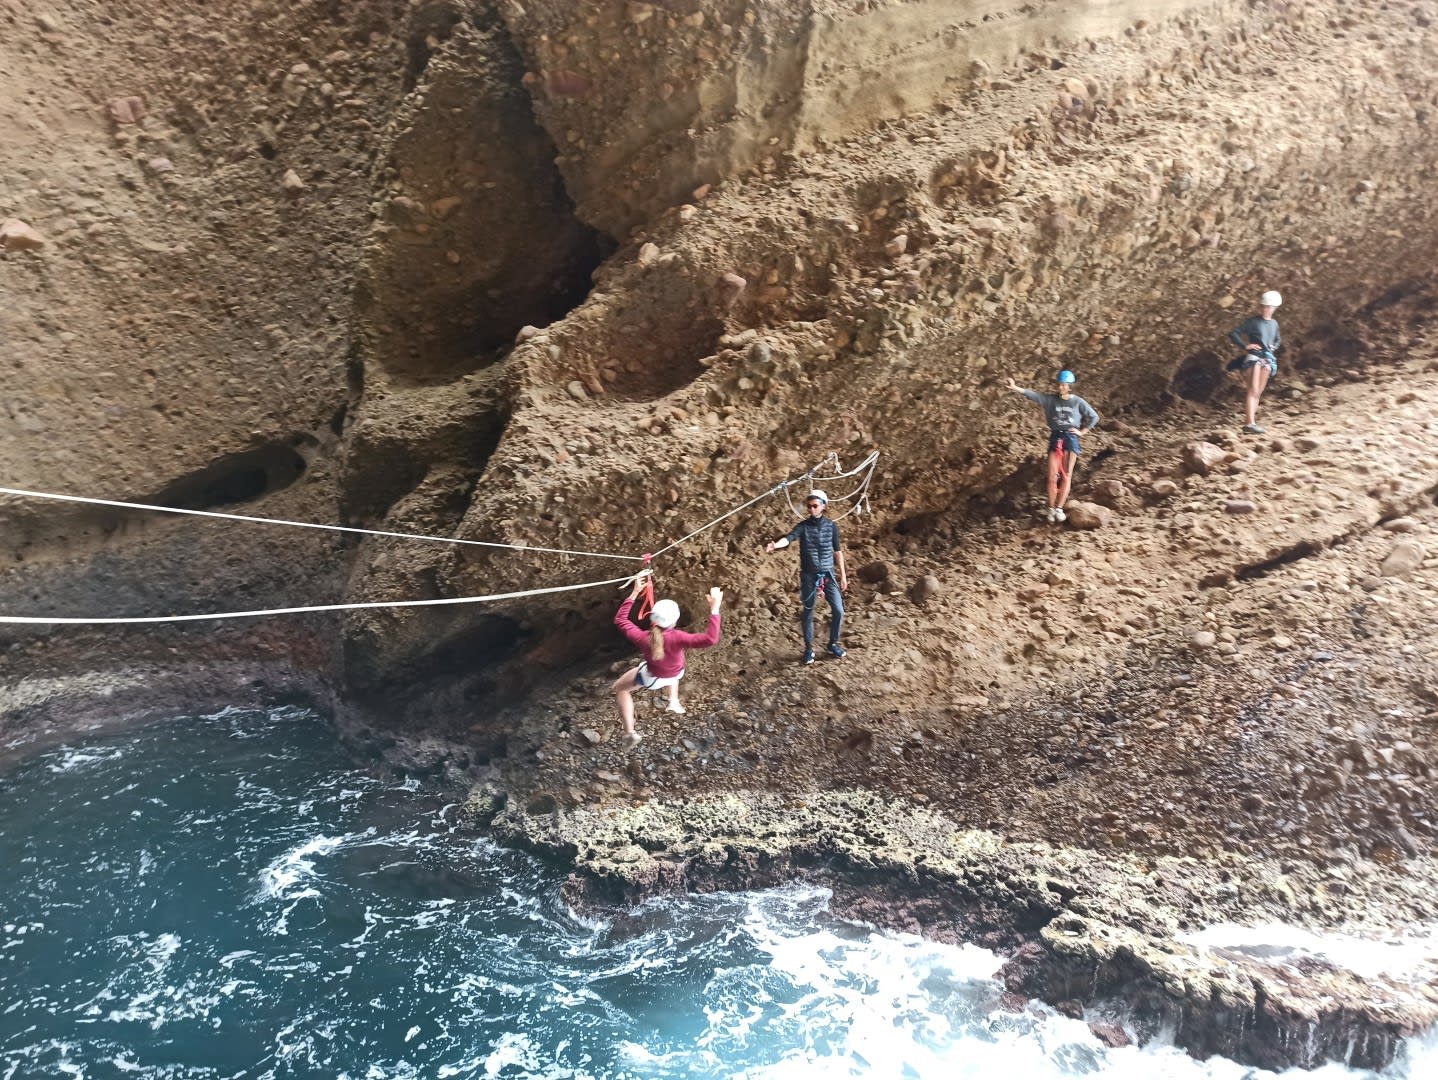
1069,416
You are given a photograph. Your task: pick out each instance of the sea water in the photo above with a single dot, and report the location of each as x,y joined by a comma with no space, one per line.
230,896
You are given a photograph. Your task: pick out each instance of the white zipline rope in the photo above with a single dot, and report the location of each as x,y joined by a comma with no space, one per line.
320,607
313,525
866,466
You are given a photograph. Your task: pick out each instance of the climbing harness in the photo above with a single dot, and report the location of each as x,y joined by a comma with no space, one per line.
858,497
811,599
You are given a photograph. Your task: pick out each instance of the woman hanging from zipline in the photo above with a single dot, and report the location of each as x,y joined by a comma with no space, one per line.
663,647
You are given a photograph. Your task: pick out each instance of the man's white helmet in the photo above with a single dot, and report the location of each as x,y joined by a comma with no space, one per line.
1272,298
817,494
665,614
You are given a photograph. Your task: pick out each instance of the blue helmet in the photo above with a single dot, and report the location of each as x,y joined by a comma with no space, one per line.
1066,376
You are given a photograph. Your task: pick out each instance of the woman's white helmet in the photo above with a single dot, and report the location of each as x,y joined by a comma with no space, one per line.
818,494
665,614
1272,298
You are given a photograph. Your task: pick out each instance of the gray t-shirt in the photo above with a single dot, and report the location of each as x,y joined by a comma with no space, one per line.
1064,413
1256,330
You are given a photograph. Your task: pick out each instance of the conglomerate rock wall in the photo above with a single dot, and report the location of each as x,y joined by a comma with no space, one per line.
1105,189
587,276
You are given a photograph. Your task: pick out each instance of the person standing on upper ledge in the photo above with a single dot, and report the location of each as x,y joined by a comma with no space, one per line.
1258,336
819,555
1069,416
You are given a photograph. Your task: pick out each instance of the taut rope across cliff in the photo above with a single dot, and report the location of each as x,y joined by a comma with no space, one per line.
859,499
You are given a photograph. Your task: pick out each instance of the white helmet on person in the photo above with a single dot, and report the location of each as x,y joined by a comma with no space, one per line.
1272,298
817,494
665,614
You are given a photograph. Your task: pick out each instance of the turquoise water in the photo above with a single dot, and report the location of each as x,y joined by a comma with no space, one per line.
229,896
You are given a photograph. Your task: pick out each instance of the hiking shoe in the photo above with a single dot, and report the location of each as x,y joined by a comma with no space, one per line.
836,650
631,738
1254,429
1059,515
675,707
1049,515
808,656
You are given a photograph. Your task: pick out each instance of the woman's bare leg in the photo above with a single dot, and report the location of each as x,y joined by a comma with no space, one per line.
624,694
1054,481
1257,383
1070,460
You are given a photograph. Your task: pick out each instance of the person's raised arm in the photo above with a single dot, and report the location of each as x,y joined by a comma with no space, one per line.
783,541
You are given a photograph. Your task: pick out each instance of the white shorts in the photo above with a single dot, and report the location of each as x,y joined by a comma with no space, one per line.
645,681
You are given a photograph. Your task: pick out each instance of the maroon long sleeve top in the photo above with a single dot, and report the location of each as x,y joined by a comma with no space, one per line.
675,642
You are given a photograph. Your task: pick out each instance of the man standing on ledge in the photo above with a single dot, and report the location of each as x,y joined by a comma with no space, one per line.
819,555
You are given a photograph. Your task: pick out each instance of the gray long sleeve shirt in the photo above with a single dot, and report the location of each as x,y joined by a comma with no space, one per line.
1256,330
1064,414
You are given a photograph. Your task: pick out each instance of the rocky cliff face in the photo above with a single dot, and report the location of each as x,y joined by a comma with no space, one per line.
589,276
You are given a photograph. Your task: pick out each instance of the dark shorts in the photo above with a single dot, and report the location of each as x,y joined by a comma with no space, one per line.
1250,360
1068,439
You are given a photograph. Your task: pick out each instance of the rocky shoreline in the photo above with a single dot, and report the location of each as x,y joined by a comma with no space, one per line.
1099,936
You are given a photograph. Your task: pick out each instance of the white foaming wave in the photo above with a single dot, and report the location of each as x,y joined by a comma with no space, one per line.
69,758
287,877
848,1003
513,1050
1412,954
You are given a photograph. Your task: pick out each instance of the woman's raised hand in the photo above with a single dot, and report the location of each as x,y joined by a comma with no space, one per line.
716,596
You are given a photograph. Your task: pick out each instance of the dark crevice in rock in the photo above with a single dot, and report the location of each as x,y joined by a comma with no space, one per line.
478,236
1199,377
237,478
1289,555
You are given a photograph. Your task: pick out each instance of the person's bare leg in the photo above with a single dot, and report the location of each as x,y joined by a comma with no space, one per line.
1257,380
673,691
624,695
1054,481
1070,460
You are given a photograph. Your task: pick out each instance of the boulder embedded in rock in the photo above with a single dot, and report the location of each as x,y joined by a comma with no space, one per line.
1203,457
1087,515
874,572
1238,506
1110,1034
1164,488
126,110
730,286
16,235
1109,493
1402,525
925,588
1202,640
1406,556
